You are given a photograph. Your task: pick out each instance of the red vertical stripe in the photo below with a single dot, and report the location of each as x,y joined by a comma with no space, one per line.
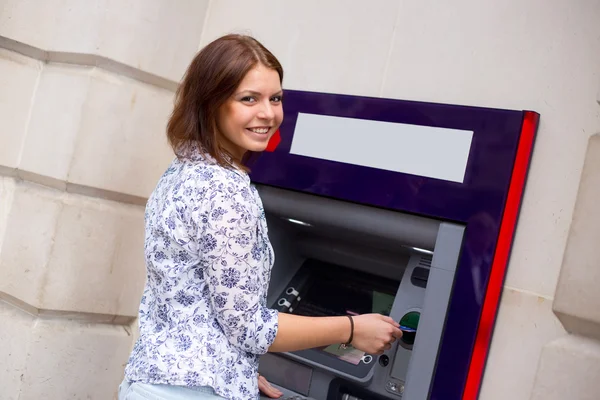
274,141
500,262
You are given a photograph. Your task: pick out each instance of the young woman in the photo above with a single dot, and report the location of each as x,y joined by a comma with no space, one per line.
203,316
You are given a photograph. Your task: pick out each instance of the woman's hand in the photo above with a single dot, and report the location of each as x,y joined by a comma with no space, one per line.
374,333
265,387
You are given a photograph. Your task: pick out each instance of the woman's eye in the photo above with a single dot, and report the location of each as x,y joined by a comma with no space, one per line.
248,99
276,99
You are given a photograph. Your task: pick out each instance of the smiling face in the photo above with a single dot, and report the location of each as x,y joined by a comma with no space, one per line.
248,119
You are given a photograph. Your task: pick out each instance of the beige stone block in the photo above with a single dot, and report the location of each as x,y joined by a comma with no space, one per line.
525,323
28,240
569,369
15,335
55,123
68,360
122,145
131,263
157,36
50,25
328,50
539,55
70,253
134,329
577,295
7,192
18,78
95,129
97,262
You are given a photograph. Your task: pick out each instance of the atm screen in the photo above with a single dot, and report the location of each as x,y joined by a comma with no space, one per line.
329,290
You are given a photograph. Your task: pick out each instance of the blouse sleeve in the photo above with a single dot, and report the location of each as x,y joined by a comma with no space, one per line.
231,251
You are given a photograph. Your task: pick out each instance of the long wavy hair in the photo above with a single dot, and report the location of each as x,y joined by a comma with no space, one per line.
210,80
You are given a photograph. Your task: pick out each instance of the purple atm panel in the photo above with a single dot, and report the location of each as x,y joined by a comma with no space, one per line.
453,163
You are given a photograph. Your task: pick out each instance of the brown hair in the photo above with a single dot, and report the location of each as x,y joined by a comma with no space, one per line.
209,81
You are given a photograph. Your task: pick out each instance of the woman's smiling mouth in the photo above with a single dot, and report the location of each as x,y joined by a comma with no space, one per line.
261,130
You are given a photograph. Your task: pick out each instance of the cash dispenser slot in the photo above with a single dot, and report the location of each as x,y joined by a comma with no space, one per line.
337,258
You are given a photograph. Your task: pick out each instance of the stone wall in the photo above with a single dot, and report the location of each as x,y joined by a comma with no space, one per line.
570,366
85,91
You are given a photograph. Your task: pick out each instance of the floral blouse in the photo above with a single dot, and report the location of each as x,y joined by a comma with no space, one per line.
203,317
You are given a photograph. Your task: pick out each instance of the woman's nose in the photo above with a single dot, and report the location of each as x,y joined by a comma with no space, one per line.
266,111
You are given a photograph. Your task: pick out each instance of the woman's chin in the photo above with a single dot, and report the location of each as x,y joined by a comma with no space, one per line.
257,147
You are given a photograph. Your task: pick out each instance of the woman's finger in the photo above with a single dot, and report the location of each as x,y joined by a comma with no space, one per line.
265,387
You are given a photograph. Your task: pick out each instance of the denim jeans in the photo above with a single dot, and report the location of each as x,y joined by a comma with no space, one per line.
144,391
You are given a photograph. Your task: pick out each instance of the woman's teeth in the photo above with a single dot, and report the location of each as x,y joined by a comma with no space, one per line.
259,130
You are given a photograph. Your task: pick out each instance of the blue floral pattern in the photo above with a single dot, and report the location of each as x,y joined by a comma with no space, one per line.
203,317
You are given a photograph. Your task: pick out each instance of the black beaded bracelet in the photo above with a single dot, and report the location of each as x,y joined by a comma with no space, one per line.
349,342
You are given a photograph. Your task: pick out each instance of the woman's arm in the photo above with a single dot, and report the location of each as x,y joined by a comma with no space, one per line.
373,333
297,332
228,245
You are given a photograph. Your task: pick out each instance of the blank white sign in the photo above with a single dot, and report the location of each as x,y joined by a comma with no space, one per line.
439,153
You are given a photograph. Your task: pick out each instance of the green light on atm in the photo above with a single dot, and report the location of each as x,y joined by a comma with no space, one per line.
410,320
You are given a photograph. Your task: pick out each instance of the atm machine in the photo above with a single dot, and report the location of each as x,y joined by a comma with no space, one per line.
401,208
